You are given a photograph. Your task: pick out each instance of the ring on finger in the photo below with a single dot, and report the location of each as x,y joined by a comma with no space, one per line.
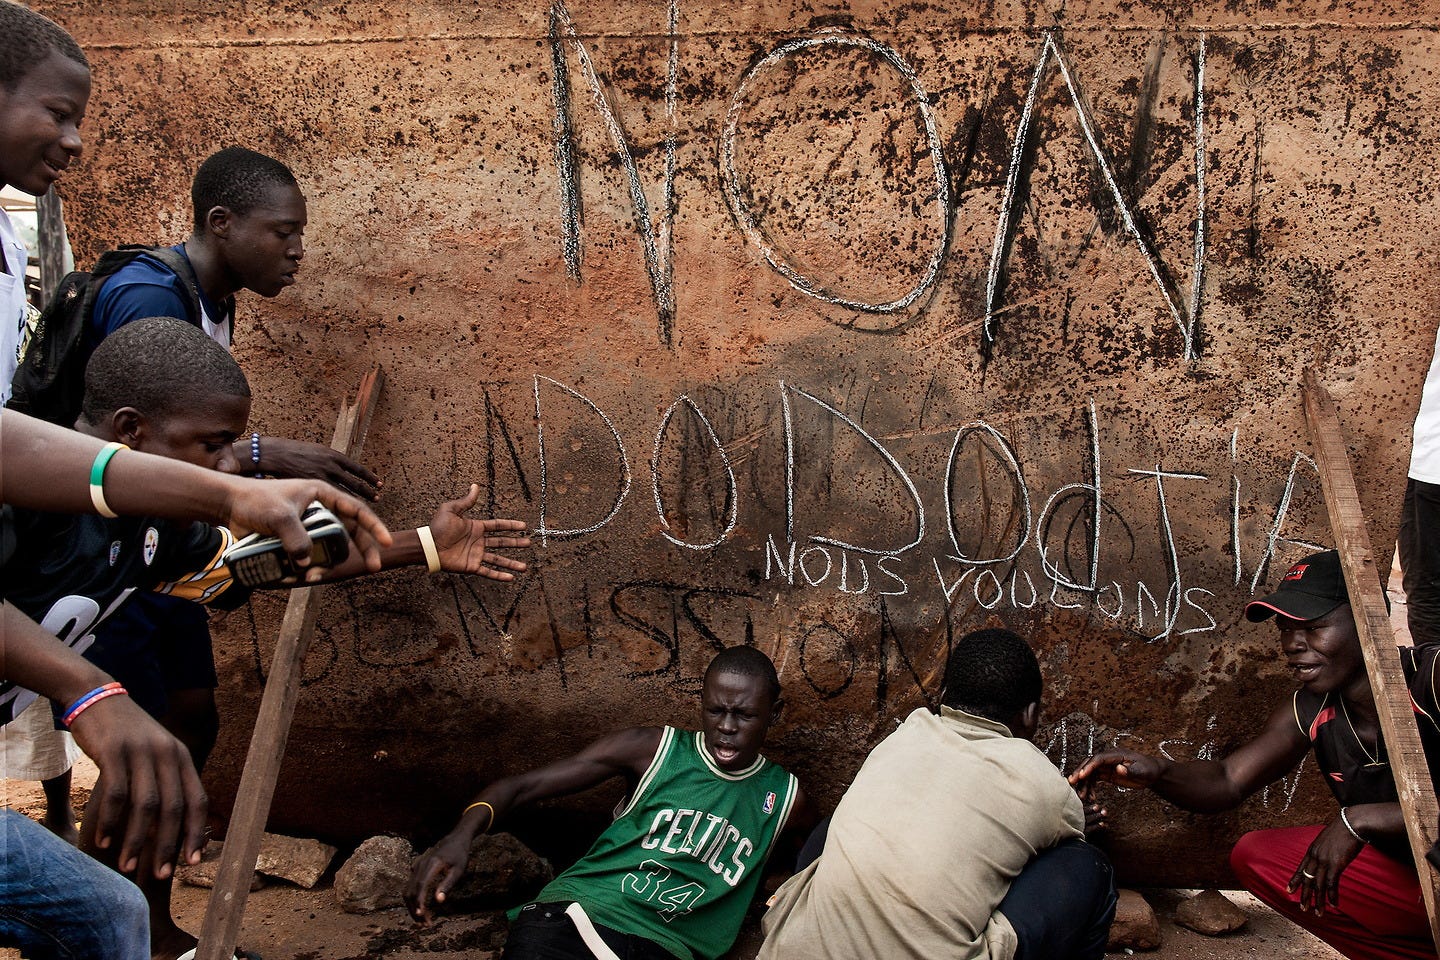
1307,875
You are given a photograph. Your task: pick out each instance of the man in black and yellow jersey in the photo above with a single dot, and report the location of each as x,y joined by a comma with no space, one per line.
674,873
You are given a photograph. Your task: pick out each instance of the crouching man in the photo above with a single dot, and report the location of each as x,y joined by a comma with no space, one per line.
959,838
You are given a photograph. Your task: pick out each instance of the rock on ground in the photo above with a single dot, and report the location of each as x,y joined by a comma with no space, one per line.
1135,925
202,874
375,875
1210,913
500,869
300,861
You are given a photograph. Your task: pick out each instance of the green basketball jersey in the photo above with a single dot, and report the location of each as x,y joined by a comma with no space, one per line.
680,863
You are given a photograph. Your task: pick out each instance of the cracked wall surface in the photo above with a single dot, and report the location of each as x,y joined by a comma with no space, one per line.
840,329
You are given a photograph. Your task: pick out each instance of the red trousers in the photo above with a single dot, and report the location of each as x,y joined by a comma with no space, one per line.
1381,915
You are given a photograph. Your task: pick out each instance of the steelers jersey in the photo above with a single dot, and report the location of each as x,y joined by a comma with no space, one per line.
680,863
68,573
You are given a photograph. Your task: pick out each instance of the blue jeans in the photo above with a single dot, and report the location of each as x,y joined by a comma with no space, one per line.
56,902
1062,903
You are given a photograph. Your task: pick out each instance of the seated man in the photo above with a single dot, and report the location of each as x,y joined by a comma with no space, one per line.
958,838
672,876
1350,882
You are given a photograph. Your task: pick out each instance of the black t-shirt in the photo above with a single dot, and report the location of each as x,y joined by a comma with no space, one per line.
1358,772
68,573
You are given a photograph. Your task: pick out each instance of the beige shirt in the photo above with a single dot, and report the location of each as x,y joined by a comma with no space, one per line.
923,846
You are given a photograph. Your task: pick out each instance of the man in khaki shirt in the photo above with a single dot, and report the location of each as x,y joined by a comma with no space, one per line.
958,838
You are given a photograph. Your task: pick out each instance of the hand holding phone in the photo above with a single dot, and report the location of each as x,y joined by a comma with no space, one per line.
261,561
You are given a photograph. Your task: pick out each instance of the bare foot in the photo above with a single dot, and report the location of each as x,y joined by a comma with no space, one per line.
167,944
63,826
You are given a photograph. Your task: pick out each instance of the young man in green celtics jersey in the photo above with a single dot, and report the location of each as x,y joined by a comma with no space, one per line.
674,873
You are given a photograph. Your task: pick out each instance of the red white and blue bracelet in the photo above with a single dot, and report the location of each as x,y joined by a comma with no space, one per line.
111,689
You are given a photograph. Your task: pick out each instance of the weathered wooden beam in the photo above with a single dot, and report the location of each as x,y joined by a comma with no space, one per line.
51,241
1372,622
226,909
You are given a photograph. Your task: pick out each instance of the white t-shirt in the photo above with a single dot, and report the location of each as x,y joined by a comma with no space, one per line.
219,332
14,307
1425,453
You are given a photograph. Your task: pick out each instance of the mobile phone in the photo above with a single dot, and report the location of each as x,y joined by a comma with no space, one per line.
261,561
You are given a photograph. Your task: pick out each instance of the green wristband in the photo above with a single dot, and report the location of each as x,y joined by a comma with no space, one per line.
97,478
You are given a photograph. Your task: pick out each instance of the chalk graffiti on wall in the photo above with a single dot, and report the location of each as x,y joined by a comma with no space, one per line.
1185,316
657,241
732,490
657,245
733,182
1029,564
815,558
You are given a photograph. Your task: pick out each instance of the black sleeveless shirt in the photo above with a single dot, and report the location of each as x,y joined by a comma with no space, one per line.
1358,772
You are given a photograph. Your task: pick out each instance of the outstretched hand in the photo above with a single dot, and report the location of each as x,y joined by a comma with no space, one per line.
467,546
274,507
1097,818
300,458
1123,767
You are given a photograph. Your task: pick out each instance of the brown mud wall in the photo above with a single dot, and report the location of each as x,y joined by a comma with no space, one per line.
838,329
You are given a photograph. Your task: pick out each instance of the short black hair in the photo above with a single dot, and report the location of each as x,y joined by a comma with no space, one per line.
237,179
30,39
747,662
992,674
158,366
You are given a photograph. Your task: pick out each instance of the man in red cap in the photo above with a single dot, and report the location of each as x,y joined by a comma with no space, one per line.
1351,882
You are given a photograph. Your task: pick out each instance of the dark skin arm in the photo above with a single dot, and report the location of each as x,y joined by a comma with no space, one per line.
464,546
1211,786
625,753
45,467
150,795
302,459
1202,786
803,818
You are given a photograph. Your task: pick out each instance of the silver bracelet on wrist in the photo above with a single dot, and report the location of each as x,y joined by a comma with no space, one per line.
1345,819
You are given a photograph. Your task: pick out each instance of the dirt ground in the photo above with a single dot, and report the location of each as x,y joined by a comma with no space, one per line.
284,922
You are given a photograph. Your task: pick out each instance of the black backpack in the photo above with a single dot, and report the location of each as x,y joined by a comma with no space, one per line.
50,382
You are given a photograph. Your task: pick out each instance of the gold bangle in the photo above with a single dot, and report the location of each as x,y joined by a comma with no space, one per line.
481,803
432,555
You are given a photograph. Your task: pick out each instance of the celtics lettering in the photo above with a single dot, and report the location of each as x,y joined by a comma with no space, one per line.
705,837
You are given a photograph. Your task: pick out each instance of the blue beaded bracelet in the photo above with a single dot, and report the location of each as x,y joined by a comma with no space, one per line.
255,454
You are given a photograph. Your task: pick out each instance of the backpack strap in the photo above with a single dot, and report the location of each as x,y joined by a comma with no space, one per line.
49,382
179,265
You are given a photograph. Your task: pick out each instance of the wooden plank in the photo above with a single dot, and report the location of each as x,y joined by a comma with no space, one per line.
1372,622
226,909
50,238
